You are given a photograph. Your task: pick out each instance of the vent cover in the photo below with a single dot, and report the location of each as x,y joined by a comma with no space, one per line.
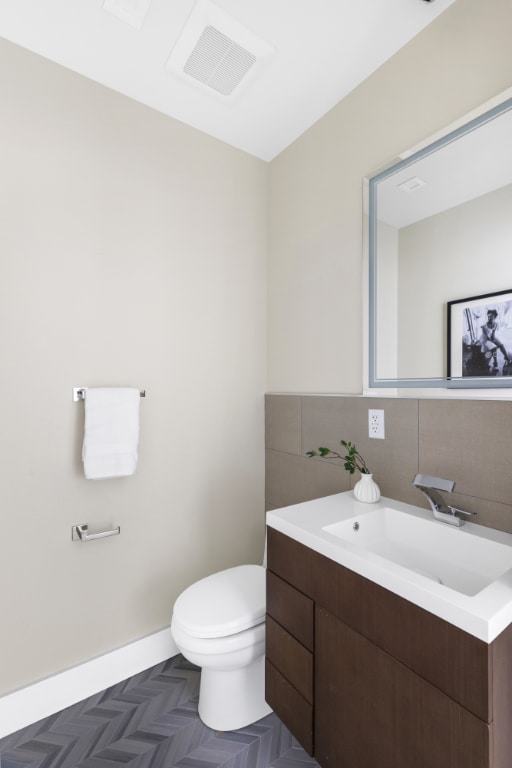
410,185
216,52
219,62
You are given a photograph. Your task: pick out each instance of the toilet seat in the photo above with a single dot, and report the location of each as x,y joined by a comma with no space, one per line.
222,604
249,640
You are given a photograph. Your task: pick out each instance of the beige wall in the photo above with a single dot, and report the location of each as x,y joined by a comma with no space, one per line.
387,303
133,252
315,263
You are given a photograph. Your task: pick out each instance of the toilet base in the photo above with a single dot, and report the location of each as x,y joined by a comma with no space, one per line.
232,699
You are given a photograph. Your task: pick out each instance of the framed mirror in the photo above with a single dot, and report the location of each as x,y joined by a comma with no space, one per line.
440,261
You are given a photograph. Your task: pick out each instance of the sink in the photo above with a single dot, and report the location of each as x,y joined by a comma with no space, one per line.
459,558
462,575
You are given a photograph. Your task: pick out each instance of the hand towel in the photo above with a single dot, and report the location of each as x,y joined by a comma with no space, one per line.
111,433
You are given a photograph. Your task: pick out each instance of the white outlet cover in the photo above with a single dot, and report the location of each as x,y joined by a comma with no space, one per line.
376,423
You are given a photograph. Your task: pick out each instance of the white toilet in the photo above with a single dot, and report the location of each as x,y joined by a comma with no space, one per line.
218,624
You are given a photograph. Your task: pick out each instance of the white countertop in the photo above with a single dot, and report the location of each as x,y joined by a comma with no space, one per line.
484,615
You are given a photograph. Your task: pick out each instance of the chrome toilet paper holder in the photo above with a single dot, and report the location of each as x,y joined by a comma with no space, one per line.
81,533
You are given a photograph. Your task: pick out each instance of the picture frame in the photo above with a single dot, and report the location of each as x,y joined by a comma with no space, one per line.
479,333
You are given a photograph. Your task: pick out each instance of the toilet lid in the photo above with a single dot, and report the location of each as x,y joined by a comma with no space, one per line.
223,603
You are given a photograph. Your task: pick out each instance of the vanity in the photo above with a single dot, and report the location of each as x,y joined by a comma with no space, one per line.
379,657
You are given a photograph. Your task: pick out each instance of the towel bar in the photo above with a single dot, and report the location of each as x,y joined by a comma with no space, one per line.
80,533
79,393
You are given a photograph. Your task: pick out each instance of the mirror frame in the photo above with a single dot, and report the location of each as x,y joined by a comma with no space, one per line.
439,381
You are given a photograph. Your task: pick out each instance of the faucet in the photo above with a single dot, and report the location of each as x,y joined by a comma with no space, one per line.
430,487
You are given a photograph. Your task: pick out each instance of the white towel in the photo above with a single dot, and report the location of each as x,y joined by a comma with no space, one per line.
111,433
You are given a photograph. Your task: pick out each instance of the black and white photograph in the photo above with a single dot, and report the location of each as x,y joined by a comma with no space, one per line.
480,336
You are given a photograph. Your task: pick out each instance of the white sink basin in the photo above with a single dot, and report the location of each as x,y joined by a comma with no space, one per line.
462,575
448,555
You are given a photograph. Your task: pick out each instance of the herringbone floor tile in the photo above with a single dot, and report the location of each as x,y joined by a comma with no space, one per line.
149,721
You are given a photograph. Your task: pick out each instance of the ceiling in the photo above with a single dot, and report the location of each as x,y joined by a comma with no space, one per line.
318,51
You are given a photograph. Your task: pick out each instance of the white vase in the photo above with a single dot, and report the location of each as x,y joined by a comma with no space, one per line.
366,489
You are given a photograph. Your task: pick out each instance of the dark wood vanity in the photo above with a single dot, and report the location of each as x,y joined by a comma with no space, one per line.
365,679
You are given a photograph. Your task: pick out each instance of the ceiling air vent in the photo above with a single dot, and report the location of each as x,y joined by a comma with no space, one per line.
216,52
219,62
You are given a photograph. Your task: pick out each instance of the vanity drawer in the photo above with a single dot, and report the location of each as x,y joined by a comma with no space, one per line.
290,560
291,658
291,609
292,708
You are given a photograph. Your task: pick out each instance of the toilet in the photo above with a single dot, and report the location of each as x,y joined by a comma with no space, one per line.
218,623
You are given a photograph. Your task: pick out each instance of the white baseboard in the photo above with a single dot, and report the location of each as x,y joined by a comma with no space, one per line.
44,698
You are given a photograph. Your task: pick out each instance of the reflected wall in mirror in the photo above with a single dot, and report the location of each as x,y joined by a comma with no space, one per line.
440,230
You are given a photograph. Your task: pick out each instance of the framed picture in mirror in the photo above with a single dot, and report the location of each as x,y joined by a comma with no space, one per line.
480,337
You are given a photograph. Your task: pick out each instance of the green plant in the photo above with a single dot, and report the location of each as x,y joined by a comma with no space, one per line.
353,460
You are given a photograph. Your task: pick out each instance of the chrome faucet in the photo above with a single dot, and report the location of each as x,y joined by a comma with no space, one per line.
430,487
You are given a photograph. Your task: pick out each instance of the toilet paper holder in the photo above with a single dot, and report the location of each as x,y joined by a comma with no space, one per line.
81,533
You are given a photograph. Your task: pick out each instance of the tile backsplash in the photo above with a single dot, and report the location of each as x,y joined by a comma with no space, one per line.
468,441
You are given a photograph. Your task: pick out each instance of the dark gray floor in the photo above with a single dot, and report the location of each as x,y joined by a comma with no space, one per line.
149,721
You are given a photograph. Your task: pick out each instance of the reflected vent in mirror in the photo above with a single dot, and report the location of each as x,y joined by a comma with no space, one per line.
216,52
411,184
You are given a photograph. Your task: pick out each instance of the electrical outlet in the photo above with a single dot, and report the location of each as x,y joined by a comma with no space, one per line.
376,423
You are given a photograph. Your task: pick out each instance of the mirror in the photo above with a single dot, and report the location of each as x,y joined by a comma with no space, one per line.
440,261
